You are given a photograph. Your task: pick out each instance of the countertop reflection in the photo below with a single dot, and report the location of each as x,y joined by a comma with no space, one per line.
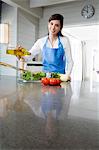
34,116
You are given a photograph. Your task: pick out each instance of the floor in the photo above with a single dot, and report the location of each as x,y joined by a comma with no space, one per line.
71,122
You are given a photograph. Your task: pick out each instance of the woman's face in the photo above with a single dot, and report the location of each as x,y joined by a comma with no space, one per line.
54,27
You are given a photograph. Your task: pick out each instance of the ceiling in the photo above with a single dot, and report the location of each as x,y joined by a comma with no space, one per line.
44,3
38,3
35,7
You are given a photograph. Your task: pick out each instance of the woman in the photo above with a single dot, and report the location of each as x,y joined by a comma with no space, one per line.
55,49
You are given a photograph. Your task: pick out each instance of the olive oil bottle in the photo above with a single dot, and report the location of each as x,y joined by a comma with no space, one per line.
18,52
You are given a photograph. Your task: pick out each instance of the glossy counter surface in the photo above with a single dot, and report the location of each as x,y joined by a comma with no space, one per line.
37,117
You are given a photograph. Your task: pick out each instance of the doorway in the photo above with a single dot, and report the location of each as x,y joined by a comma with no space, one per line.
85,47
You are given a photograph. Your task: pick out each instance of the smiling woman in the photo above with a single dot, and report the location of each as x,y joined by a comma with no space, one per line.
54,48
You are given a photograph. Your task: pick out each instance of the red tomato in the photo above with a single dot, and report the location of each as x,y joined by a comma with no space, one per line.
45,81
58,81
55,81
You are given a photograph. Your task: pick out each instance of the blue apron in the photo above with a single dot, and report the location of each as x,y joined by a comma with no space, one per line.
53,58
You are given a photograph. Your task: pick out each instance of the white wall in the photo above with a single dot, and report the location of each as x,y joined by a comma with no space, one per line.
90,47
89,37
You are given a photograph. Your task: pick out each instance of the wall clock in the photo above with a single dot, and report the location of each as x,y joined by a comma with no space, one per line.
88,11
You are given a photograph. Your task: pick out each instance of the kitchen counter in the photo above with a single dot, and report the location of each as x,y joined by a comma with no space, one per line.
38,117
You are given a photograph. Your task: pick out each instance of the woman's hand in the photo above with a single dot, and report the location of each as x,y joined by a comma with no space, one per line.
19,53
65,77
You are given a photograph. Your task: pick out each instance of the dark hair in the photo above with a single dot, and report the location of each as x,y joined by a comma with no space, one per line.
60,18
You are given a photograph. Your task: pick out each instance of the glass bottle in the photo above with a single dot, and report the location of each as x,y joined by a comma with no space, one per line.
18,52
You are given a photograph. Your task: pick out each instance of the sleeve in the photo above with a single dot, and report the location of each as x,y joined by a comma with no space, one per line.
69,60
36,49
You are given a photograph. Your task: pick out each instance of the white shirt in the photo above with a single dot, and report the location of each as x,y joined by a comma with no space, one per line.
38,46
